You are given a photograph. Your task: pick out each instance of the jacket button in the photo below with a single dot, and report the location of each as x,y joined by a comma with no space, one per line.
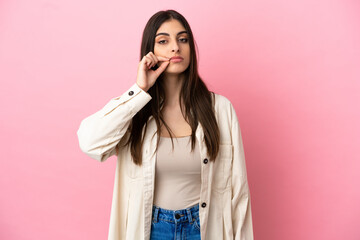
177,216
131,93
203,204
205,160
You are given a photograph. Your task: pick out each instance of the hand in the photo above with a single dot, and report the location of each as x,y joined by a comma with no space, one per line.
146,77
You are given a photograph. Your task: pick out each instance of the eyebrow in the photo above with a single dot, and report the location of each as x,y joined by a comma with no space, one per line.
166,34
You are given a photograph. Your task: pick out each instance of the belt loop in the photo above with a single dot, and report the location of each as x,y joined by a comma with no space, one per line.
156,213
189,215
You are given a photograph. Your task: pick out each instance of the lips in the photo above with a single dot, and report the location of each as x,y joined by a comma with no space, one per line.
176,59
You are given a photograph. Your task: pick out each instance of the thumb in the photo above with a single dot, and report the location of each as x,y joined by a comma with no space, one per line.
162,67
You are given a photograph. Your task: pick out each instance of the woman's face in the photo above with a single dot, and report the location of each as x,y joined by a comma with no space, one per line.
172,40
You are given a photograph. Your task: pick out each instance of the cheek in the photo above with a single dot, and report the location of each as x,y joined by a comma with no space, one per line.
157,50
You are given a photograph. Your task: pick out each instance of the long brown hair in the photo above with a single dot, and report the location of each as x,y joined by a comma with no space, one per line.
196,97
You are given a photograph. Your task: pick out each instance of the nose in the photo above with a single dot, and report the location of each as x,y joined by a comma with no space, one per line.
175,47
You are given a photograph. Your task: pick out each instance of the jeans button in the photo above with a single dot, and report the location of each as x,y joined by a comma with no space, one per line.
177,216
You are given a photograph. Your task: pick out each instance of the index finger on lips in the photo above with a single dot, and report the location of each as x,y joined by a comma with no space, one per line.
163,58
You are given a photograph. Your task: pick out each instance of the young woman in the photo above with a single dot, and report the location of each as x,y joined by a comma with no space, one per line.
181,170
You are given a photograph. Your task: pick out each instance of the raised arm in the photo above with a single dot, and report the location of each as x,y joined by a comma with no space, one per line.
100,132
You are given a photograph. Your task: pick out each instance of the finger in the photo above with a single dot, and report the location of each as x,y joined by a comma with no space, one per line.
162,67
145,60
163,58
146,64
152,57
148,61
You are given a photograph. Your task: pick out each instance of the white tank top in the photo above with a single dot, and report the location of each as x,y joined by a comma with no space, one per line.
177,174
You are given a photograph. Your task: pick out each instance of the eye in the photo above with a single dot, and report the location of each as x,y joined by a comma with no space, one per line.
183,40
161,41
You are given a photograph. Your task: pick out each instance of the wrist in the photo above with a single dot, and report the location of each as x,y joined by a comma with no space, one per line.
143,88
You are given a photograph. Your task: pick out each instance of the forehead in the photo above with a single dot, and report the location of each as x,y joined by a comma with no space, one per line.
171,26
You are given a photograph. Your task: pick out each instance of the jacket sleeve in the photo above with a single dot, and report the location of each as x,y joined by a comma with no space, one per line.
240,201
100,132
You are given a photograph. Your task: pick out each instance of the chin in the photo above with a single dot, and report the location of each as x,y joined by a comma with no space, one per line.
175,71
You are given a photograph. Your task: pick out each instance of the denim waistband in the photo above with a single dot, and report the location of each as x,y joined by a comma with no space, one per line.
175,216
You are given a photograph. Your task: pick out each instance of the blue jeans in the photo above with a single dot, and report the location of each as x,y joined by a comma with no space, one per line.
175,224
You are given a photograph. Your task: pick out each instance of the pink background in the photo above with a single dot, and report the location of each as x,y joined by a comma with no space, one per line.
290,68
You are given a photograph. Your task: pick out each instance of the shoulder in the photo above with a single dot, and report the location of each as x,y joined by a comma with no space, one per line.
221,103
224,109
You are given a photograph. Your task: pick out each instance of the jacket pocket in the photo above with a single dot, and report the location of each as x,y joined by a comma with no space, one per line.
222,168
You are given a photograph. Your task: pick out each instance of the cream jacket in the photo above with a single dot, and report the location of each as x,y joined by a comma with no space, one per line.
225,208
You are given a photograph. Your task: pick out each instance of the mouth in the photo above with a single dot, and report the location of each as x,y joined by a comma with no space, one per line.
176,59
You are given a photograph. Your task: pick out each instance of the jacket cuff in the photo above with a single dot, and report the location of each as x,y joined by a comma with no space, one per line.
141,99
135,96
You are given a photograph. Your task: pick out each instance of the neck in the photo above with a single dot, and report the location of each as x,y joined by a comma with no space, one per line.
172,87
